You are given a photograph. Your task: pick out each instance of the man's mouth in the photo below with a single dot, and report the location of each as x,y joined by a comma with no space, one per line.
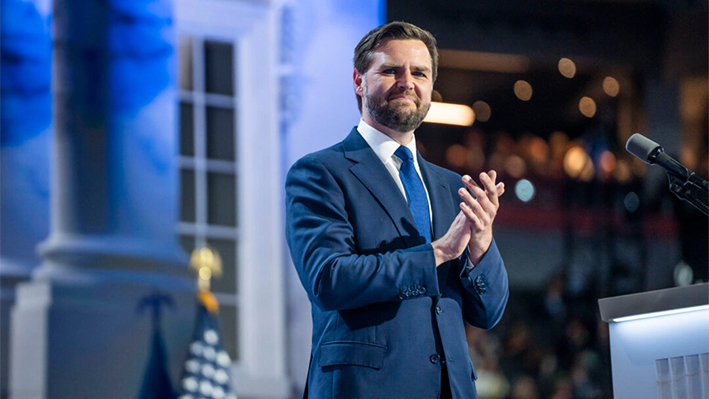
404,97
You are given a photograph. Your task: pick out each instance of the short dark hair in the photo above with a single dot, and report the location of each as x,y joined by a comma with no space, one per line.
364,52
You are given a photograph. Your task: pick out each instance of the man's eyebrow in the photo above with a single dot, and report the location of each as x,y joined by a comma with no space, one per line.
422,68
390,65
415,67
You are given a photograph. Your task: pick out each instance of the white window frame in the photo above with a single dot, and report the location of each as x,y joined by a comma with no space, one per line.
260,371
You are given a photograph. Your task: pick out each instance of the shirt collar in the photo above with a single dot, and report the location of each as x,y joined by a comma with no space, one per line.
383,145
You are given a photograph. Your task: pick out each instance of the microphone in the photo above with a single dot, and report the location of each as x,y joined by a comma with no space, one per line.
684,183
652,153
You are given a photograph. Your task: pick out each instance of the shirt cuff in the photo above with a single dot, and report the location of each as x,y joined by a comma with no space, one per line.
468,263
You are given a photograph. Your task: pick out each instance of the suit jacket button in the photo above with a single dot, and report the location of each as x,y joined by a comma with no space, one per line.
439,310
435,358
480,284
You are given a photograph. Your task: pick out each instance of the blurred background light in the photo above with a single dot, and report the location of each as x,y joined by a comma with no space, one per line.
524,190
587,107
558,141
683,274
450,114
607,162
623,173
577,164
456,156
482,111
631,202
587,173
538,150
523,90
611,86
515,166
567,68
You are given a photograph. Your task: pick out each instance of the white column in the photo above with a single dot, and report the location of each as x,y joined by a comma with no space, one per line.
114,179
76,331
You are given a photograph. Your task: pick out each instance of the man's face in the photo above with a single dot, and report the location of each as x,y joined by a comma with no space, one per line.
396,89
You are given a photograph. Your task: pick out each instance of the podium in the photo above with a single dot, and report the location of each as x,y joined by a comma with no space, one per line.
659,343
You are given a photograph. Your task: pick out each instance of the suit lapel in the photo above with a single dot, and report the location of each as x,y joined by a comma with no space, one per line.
442,204
372,173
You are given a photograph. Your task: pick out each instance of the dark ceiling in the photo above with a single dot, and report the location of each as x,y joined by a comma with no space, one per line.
635,41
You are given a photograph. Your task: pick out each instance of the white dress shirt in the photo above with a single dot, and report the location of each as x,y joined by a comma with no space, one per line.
384,146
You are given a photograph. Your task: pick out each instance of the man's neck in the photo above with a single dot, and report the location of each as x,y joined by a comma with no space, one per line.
401,138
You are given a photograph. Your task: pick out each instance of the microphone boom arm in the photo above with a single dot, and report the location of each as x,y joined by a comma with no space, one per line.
658,156
687,190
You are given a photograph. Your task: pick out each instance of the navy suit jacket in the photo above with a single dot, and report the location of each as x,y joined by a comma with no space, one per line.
384,317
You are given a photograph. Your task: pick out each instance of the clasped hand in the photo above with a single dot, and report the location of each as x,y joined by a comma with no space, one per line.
472,226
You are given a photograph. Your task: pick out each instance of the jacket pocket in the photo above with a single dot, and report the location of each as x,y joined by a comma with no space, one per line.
352,353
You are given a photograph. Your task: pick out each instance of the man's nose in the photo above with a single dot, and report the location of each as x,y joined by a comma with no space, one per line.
405,81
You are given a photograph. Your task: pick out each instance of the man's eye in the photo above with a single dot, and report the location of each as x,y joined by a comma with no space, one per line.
389,71
419,74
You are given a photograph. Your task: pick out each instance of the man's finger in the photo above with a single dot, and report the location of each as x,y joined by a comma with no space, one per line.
483,214
488,181
477,223
486,198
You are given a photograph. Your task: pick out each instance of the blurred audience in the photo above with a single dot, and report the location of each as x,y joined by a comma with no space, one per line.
551,343
542,350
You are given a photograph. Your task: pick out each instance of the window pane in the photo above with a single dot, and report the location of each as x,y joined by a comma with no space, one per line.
187,243
219,68
228,316
186,129
221,199
220,133
185,69
187,187
225,284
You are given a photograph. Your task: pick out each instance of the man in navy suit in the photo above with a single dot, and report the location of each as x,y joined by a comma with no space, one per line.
393,268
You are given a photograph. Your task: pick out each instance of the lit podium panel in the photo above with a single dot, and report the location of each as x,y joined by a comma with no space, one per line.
659,343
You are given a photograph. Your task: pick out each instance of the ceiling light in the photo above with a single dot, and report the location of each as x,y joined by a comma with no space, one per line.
450,114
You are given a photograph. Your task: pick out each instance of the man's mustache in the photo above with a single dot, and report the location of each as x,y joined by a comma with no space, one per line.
407,93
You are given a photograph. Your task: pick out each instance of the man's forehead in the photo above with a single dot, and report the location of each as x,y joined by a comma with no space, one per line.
387,48
389,41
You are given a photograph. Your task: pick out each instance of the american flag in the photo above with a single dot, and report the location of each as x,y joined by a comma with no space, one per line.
207,368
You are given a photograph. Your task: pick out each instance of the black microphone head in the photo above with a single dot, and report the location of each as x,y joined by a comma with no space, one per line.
642,147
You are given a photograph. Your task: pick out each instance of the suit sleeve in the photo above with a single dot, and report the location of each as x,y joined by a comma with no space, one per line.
322,245
486,290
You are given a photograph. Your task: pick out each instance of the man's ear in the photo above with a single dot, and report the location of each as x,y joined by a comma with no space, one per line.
357,78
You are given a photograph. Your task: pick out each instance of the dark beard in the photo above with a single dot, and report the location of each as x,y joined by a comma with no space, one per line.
395,118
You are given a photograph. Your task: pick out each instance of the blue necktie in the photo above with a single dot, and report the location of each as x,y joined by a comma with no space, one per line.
415,192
